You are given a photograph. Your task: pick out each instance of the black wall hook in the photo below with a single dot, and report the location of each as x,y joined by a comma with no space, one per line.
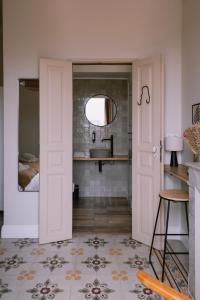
93,136
148,97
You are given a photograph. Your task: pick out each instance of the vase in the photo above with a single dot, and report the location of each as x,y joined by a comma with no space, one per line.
197,157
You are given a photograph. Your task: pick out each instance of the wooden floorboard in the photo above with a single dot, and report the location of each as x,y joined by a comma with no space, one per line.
102,214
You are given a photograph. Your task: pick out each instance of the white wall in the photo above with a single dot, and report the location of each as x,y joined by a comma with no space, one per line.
190,68
1,148
75,29
191,64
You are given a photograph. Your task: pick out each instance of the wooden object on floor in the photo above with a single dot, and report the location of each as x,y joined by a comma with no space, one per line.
180,172
160,288
175,195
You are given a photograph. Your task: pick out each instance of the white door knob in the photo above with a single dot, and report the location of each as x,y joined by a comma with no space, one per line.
155,151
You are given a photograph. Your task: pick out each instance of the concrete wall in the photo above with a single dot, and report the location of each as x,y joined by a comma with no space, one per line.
113,181
80,30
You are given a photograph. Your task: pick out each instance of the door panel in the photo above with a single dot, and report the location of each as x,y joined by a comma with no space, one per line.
147,133
55,202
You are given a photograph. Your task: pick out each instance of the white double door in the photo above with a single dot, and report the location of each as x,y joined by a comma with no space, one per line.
56,109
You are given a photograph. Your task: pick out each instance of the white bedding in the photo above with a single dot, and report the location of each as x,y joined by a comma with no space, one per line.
34,184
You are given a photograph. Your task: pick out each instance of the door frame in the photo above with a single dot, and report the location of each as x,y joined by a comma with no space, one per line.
118,61
102,61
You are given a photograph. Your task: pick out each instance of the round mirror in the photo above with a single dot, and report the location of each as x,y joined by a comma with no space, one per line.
100,110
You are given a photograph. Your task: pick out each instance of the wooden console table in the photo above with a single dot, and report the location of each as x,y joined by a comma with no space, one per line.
180,172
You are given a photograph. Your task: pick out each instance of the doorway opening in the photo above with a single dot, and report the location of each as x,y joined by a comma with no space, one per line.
56,144
102,147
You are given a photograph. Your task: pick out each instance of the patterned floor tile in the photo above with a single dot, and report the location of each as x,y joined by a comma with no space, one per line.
82,237
97,265
138,293
96,242
49,268
44,288
36,254
90,266
9,287
13,264
96,288
7,248
24,243
114,259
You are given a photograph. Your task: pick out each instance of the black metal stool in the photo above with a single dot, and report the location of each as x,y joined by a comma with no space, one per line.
174,196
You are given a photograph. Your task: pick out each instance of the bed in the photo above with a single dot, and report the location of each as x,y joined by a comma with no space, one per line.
28,176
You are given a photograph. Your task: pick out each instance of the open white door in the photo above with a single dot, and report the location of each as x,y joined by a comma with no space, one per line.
147,138
55,201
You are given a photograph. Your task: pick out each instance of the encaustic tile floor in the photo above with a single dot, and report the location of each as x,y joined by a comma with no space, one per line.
89,266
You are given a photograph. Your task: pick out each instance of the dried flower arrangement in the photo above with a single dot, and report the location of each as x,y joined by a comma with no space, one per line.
192,137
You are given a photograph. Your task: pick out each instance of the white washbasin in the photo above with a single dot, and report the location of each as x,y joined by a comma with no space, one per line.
100,153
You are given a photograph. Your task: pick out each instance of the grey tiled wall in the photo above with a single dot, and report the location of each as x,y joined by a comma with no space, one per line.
113,181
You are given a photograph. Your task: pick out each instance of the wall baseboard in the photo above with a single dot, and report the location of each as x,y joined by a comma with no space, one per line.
19,231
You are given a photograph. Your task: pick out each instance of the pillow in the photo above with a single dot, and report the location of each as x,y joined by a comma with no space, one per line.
22,167
25,176
28,157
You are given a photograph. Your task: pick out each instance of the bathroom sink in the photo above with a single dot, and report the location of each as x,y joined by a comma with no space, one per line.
100,153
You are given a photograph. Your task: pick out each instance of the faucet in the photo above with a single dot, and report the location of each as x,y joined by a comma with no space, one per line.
111,143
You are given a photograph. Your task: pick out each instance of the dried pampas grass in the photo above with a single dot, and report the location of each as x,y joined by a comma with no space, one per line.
192,137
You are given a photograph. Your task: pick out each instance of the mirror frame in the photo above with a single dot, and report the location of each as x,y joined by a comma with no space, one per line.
19,81
104,95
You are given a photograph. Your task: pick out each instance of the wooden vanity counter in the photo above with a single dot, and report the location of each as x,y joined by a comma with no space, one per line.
119,158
